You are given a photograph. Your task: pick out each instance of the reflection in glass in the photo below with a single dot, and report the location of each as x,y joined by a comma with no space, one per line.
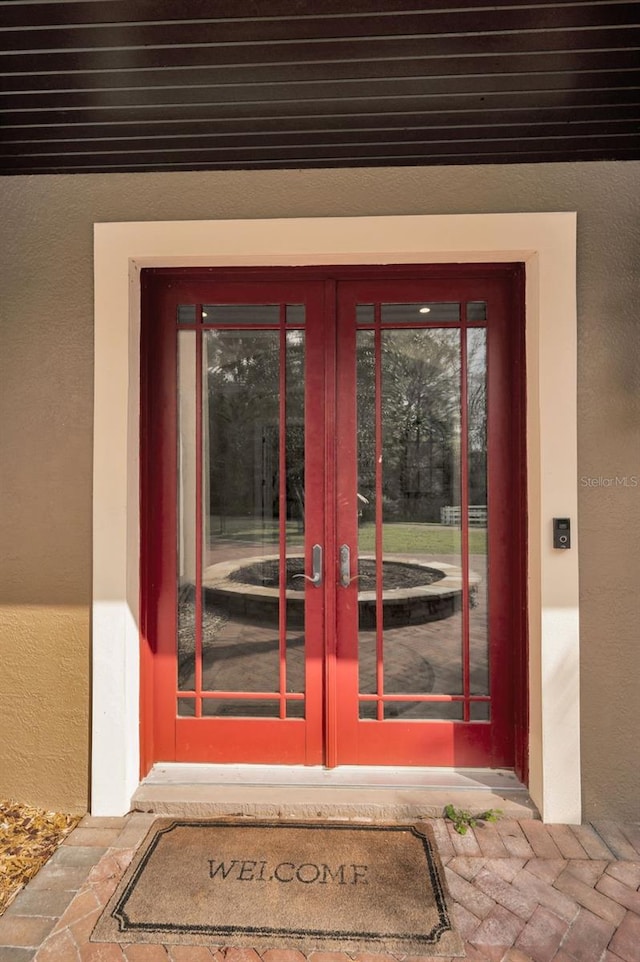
186,313
294,457
241,399
368,710
365,314
420,412
477,473
241,314
186,614
242,498
295,709
480,711
366,501
415,710
295,314
424,312
421,464
477,311
239,708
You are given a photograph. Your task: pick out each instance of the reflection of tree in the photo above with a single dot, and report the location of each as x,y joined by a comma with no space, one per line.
477,408
242,395
420,420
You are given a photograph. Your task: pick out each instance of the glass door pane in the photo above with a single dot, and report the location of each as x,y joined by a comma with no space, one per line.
410,626
421,460
477,423
241,512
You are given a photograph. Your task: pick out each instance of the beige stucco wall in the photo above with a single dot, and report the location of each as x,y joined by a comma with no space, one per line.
46,418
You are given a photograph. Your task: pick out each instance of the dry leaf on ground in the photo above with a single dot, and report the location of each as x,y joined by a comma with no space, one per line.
28,837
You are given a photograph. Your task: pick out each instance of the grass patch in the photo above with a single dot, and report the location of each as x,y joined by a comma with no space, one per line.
398,537
463,820
405,538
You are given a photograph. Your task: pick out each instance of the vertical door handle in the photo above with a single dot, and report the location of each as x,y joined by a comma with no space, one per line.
345,566
316,567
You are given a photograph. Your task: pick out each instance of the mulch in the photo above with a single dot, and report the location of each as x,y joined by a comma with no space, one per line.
28,838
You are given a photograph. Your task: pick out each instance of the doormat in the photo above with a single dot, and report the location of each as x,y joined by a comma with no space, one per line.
344,887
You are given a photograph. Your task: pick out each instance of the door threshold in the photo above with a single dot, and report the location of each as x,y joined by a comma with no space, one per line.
348,792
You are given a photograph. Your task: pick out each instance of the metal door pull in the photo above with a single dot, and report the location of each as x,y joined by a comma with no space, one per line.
345,566
316,567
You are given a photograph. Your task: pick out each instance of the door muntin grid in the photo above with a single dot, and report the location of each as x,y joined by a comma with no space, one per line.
422,511
240,511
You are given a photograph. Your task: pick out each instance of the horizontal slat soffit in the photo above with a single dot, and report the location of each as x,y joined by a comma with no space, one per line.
135,85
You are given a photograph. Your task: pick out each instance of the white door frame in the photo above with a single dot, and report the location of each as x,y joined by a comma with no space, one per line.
546,243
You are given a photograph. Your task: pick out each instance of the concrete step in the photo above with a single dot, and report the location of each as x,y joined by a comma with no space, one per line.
394,794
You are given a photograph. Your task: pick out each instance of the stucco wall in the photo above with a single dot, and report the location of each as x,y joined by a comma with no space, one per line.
46,418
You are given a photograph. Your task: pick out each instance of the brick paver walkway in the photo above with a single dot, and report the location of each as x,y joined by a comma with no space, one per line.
521,892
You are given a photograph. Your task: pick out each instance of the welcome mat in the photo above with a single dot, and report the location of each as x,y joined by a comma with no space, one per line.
338,887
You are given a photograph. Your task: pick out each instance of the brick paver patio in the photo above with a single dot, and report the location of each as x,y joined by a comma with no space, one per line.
521,892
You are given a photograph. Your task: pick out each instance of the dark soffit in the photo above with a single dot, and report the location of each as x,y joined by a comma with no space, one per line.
162,85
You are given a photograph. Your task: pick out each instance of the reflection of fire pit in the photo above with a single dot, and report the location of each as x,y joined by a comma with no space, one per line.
414,591
395,574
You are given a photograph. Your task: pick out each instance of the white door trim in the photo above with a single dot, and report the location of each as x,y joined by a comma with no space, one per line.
546,242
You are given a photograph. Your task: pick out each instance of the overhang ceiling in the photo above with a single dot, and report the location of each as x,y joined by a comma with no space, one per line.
167,85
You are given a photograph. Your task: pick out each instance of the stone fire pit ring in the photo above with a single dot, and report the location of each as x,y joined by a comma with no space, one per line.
401,606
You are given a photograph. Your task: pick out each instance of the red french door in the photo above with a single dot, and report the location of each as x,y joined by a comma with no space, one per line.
332,519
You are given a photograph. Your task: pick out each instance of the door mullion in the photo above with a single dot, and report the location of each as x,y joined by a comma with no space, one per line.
346,527
317,528
330,453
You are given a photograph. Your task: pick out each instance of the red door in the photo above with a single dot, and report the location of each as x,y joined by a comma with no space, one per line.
332,526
